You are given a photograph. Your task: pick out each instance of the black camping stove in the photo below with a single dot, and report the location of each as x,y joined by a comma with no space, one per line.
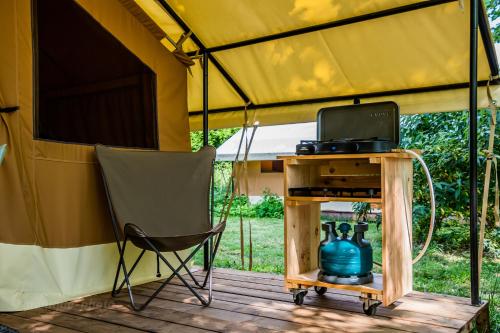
354,129
346,146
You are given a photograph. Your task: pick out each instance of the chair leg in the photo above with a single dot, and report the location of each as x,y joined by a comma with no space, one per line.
126,277
175,273
212,258
208,278
213,252
158,274
121,250
116,291
202,299
187,270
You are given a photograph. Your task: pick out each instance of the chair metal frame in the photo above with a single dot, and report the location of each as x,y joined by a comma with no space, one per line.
175,271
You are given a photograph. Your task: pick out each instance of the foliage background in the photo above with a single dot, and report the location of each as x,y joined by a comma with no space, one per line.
443,138
493,9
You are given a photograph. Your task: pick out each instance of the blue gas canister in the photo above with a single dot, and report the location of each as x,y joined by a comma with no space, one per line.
344,259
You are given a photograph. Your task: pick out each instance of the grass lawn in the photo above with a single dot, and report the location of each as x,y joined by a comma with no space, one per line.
437,272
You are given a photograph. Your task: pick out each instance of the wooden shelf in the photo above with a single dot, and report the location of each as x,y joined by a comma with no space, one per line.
330,199
311,279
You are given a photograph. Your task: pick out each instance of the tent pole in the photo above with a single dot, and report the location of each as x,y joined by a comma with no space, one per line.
206,252
474,267
205,98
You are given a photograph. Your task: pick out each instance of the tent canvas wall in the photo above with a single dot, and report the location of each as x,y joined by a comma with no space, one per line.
56,241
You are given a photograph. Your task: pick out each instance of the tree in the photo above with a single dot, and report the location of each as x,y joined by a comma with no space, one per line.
493,9
215,137
444,139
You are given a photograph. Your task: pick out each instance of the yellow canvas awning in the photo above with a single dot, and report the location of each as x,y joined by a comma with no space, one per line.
413,52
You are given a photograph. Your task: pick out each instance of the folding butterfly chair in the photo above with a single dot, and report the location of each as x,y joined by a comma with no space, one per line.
160,202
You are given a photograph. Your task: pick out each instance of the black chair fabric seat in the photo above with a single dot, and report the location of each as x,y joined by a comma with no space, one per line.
170,243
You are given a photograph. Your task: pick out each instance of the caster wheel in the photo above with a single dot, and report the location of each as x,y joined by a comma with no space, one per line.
299,298
320,290
370,310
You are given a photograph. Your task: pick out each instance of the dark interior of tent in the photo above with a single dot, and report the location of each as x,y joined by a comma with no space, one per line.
91,89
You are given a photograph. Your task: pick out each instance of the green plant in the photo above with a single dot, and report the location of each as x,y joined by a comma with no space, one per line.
243,205
493,9
443,137
361,210
215,137
270,205
453,234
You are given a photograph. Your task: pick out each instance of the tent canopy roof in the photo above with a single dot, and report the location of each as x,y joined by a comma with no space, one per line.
288,58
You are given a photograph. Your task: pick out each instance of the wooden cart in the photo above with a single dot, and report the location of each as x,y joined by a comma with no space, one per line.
392,175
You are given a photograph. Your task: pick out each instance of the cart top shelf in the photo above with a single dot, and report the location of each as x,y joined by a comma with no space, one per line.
394,154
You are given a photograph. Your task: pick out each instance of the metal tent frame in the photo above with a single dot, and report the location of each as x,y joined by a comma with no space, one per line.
478,21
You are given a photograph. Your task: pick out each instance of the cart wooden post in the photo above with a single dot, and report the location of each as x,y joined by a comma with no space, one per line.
391,176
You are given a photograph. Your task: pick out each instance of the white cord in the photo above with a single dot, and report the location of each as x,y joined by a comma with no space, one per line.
433,204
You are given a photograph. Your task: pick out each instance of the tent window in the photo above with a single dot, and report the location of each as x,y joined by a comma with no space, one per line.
271,166
89,87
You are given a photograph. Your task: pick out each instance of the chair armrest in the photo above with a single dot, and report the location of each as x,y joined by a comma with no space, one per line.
131,229
219,227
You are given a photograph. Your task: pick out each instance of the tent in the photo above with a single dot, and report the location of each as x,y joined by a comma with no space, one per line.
280,61
56,242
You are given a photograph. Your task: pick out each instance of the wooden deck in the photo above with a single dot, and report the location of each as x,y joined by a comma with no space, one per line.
249,302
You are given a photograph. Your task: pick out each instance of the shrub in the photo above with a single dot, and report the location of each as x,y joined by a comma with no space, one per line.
453,234
241,203
270,205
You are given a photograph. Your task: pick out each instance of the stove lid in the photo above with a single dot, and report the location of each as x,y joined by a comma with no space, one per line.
359,121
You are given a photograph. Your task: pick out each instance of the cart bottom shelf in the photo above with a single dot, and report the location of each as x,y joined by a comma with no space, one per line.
310,279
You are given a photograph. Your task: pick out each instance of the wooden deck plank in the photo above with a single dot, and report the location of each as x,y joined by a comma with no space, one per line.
76,322
226,274
417,300
275,279
418,303
28,325
283,301
248,302
308,316
131,319
196,315
452,310
271,279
